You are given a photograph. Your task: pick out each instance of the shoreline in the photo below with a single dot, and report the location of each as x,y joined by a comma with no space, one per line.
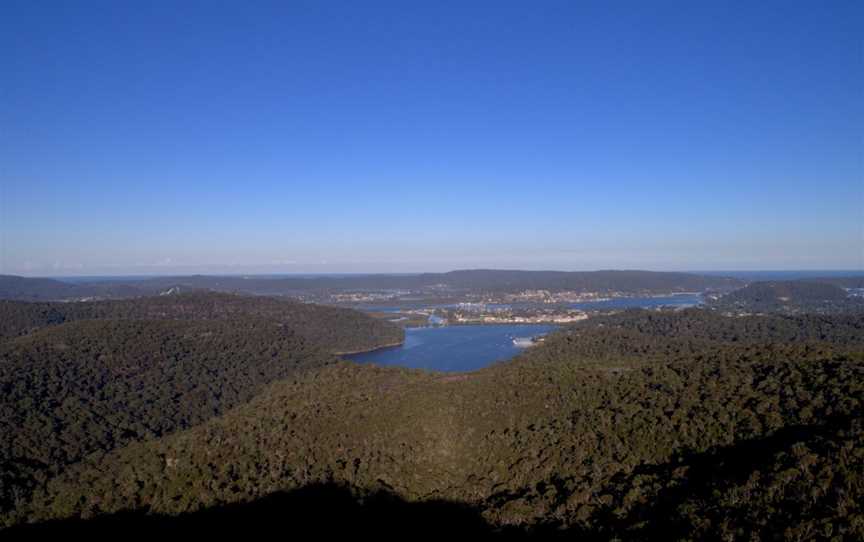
367,350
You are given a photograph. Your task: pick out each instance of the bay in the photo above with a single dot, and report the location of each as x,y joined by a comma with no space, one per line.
454,348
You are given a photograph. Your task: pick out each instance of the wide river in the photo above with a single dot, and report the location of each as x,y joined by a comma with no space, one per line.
454,348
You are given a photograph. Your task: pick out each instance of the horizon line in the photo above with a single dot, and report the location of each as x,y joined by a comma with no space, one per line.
288,274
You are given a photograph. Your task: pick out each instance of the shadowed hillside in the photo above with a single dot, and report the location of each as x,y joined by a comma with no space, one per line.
113,374
779,487
316,510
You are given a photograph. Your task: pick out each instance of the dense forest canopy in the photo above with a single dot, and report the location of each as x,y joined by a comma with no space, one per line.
83,377
698,324
685,424
793,296
340,329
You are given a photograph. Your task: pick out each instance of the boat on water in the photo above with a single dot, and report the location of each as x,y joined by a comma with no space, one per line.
523,342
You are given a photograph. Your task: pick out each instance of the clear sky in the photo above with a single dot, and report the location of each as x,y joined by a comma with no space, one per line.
176,136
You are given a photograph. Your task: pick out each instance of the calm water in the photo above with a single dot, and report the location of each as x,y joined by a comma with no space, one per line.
677,300
453,348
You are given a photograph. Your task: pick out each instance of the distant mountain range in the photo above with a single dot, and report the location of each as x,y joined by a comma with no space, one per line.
44,289
453,282
479,280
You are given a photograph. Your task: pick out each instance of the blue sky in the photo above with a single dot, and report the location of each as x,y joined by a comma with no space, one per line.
165,137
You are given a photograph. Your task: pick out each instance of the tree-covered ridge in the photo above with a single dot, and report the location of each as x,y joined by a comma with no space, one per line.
93,385
45,289
86,377
20,317
342,330
697,323
853,281
793,296
610,430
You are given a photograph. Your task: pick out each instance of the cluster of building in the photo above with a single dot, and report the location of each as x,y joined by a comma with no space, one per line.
363,297
526,316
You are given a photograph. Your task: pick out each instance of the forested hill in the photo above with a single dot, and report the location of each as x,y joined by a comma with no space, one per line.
794,296
44,289
78,378
688,425
852,281
341,330
845,330
29,289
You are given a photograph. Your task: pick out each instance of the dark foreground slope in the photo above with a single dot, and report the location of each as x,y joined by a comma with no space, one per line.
629,426
113,374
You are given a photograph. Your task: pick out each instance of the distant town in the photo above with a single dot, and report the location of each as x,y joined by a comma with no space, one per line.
531,306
